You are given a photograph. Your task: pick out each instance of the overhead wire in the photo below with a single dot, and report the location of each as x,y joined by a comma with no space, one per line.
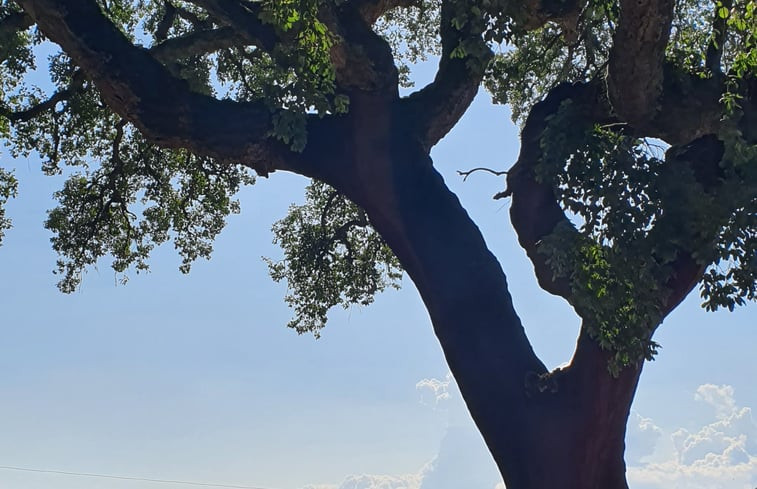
129,478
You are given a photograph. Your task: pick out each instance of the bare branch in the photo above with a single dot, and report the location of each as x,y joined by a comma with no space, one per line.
466,174
689,107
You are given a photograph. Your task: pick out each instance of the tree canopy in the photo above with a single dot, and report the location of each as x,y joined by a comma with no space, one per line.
636,179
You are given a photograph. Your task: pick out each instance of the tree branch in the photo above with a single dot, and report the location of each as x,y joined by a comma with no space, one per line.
438,106
466,174
718,37
532,14
138,88
244,18
682,221
49,104
14,22
689,107
535,212
371,10
196,43
363,61
635,72
169,16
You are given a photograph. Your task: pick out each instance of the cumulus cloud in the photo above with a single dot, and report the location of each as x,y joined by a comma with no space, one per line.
720,455
642,436
463,459
410,481
434,391
718,396
707,474
463,462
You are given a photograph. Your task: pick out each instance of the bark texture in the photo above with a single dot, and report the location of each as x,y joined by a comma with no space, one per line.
561,429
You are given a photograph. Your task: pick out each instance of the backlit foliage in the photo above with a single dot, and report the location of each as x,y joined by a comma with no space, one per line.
332,257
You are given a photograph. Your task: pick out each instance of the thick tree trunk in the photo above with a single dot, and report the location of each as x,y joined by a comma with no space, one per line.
564,430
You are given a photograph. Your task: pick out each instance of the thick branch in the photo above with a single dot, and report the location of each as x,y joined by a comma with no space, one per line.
244,18
719,33
535,212
196,43
635,72
371,10
694,164
461,283
437,107
689,107
14,22
169,16
140,89
533,14
363,60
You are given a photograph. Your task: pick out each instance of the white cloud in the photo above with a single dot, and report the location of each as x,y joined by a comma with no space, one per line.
435,389
706,474
718,396
410,481
463,462
642,436
720,455
463,459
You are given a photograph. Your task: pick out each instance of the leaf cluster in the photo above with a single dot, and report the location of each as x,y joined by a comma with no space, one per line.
634,214
412,33
332,256
140,196
122,195
535,61
8,189
608,182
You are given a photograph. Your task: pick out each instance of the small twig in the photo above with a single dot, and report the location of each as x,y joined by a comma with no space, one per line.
77,80
466,174
614,125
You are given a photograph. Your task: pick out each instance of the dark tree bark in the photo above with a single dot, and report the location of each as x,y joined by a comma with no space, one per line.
562,429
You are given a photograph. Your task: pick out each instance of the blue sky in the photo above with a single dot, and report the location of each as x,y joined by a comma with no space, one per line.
196,378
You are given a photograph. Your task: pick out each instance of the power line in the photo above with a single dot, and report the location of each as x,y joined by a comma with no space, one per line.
128,478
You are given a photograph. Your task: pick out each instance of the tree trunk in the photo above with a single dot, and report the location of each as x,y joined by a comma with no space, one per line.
545,431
